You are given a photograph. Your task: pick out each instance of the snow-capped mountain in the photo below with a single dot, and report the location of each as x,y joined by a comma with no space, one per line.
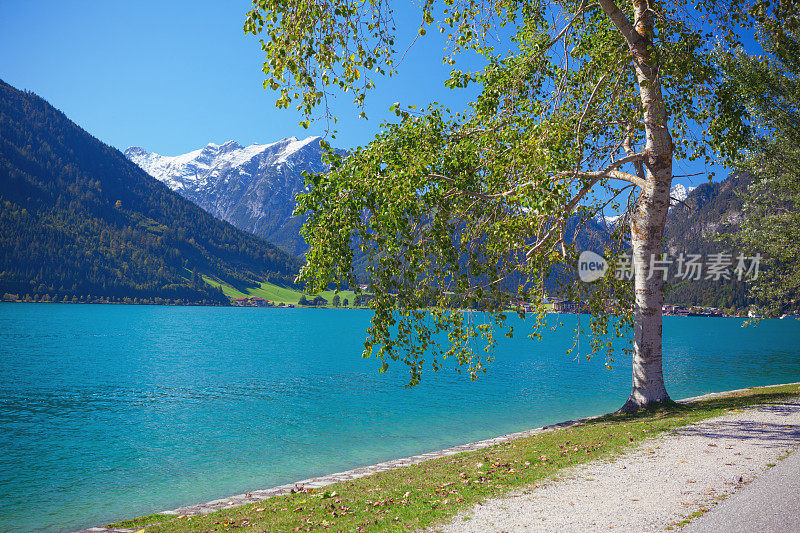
252,187
679,192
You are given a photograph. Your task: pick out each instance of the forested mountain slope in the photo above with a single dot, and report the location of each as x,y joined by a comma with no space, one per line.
710,210
79,221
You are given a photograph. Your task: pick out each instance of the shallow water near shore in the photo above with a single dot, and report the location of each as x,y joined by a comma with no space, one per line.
109,412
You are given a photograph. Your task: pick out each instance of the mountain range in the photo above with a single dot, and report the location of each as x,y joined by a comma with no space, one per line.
79,222
79,218
252,187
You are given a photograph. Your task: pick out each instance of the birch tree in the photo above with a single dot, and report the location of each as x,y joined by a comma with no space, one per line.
582,105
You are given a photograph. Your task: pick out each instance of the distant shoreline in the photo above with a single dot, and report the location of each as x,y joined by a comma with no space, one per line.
185,304
297,306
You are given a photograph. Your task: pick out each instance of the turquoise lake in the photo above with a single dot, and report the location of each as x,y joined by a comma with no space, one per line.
109,412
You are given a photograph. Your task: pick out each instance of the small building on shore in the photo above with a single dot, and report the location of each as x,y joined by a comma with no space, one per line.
255,301
565,306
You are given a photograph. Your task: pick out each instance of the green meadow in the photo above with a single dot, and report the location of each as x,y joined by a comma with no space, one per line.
278,294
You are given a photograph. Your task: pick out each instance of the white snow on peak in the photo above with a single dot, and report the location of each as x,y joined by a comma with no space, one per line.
609,221
293,146
195,169
135,150
252,187
679,192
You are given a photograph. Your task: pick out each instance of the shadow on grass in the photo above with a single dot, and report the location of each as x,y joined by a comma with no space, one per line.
743,399
701,408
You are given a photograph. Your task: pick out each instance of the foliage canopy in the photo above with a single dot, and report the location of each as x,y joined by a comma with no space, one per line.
469,208
762,97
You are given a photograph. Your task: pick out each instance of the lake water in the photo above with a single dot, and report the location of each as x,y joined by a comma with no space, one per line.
109,412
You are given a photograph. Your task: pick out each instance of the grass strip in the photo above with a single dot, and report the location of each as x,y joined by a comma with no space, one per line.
418,496
141,521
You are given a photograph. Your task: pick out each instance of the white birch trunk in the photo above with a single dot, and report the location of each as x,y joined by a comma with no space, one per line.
647,222
647,229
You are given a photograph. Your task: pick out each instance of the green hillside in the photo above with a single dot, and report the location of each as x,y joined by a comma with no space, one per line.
694,227
279,294
79,222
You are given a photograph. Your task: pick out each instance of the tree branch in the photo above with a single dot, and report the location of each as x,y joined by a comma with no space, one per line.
628,31
684,204
627,145
609,172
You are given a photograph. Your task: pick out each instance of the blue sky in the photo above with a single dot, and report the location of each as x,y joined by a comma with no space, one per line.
172,76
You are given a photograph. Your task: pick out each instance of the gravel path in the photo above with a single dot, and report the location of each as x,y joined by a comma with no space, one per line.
770,504
656,485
